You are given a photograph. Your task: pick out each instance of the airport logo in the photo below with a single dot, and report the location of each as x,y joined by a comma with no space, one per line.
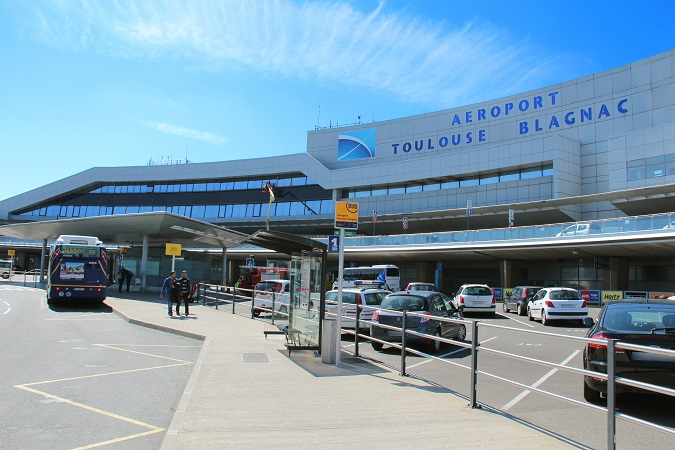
356,144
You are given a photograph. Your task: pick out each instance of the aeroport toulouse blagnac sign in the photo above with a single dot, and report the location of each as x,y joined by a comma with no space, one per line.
360,144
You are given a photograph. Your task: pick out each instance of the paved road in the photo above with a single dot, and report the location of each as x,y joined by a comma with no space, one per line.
80,376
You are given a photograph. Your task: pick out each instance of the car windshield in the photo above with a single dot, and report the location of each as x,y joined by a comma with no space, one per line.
477,290
268,287
374,298
530,292
422,287
639,317
404,303
564,295
348,298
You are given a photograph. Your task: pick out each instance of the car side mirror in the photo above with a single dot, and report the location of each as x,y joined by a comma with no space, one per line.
587,322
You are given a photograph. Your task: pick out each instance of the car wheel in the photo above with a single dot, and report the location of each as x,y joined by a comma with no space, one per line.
591,395
5,276
504,307
529,314
434,346
522,310
256,313
461,333
544,319
283,309
377,346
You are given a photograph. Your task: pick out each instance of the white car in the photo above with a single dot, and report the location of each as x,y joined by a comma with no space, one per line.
271,292
350,298
475,298
581,229
557,303
419,286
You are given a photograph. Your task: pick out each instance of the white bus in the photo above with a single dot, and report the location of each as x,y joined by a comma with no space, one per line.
385,275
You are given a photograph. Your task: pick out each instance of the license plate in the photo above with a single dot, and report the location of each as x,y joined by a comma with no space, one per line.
564,305
78,289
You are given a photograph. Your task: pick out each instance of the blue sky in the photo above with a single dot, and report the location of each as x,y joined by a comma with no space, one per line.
99,83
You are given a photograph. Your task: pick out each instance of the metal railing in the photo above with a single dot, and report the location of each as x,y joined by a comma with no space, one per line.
215,295
476,348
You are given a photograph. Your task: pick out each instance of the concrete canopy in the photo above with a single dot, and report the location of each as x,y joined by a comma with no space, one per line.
128,229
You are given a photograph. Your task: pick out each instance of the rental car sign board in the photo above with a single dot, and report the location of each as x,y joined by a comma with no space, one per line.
347,215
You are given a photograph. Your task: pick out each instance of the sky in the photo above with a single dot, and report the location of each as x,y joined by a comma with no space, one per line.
87,83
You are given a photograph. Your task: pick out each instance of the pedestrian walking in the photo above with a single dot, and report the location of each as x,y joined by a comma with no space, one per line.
128,276
169,289
121,276
185,293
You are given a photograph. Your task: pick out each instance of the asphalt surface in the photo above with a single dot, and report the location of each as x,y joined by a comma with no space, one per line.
245,391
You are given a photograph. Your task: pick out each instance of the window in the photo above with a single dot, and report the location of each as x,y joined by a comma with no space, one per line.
255,184
530,173
396,190
283,209
238,211
431,187
417,188
198,211
489,179
468,182
361,193
200,187
240,185
283,182
298,181
510,176
450,185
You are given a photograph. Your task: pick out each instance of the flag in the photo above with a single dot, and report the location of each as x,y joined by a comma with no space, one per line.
382,277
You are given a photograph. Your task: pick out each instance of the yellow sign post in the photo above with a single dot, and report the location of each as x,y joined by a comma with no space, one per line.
347,215
173,250
11,252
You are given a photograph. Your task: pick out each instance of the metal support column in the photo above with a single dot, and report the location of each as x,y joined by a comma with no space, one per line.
144,263
223,275
43,256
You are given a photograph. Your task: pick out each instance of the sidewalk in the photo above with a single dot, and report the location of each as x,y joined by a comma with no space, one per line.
245,392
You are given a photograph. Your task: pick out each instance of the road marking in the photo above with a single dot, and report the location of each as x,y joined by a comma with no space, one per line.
523,394
9,307
451,353
152,429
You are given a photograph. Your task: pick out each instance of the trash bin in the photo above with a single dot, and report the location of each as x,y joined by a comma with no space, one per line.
328,336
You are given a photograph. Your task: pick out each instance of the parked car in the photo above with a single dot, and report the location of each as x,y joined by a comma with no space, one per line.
475,298
351,297
427,303
519,298
647,322
419,286
557,303
580,229
269,292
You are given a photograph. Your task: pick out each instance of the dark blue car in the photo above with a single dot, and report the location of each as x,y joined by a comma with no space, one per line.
430,306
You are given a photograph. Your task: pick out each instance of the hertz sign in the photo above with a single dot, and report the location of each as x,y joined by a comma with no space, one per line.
347,215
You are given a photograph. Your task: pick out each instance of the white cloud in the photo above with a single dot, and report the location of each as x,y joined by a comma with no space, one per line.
416,61
187,132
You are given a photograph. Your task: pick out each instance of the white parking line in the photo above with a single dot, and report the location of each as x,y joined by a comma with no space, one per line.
516,320
523,394
9,307
451,353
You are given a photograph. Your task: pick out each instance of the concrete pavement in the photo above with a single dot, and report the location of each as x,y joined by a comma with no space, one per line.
246,392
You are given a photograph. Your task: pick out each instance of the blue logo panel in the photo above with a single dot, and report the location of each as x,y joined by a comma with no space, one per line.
357,144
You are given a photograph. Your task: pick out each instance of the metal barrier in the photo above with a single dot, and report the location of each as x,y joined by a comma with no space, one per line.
215,295
211,295
474,346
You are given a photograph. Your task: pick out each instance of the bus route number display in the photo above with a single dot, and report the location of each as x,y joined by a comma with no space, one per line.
347,215
80,251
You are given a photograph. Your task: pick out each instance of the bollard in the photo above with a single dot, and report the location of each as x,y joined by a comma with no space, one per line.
474,363
356,331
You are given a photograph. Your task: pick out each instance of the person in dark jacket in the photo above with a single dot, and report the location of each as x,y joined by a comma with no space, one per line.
128,276
185,292
169,289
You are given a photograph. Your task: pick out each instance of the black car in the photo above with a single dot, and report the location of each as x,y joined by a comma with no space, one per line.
429,305
520,296
646,322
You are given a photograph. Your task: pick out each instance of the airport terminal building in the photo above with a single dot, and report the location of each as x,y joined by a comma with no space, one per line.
598,147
